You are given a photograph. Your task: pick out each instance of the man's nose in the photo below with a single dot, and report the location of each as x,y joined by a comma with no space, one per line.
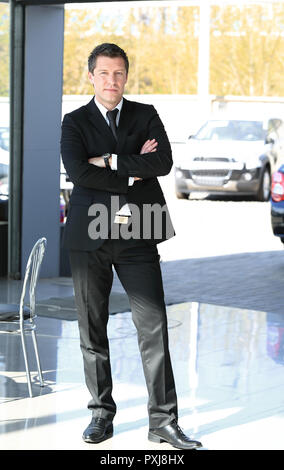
112,79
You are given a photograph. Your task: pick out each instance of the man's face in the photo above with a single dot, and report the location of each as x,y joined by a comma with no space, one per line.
108,79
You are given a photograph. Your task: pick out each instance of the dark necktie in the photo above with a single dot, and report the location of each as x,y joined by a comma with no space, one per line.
111,115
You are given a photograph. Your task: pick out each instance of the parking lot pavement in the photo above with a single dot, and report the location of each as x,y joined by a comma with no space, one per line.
224,253
215,227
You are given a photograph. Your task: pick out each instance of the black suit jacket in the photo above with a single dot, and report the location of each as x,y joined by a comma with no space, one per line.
86,134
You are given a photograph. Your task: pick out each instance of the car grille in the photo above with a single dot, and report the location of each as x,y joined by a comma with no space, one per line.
213,177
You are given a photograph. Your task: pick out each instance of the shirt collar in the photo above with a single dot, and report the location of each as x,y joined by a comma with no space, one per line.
104,110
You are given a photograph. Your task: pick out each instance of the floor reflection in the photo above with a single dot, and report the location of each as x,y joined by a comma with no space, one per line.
228,365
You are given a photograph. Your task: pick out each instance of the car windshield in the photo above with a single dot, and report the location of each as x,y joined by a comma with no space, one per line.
231,130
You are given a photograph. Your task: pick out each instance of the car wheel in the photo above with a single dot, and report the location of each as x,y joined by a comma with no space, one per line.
181,195
265,186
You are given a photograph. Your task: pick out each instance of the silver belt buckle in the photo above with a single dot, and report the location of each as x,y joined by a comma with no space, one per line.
121,219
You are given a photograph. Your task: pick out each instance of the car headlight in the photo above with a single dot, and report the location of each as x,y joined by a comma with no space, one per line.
178,173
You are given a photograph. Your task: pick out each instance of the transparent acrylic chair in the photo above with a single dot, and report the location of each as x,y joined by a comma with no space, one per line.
21,317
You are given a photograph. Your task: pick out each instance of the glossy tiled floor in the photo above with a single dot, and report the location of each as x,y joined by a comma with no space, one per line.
229,370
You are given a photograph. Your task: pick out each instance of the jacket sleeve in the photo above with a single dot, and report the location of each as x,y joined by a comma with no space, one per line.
153,164
80,171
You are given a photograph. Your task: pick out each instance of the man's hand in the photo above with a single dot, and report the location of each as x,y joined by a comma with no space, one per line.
98,161
149,146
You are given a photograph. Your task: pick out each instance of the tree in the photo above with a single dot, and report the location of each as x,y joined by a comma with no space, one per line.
247,50
161,43
4,50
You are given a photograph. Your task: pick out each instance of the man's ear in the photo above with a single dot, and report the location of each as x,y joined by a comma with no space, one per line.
90,76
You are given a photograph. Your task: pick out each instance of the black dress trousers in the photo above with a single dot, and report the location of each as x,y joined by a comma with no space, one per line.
137,265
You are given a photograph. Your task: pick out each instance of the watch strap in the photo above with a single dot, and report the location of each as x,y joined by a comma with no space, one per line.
106,158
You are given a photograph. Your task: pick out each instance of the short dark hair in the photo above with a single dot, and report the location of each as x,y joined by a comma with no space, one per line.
108,50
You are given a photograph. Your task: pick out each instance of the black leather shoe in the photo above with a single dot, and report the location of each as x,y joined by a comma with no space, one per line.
173,434
98,430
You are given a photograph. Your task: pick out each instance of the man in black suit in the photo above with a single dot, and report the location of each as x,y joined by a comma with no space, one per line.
113,151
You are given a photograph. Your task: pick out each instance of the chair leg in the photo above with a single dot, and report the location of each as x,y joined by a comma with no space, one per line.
26,363
37,358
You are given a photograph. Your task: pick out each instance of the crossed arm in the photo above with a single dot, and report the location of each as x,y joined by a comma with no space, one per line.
91,173
148,147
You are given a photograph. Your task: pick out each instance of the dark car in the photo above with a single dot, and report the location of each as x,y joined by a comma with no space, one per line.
231,156
277,203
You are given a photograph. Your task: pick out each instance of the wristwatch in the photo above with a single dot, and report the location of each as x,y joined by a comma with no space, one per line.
106,157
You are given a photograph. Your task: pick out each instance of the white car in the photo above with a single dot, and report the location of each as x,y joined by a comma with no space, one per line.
231,156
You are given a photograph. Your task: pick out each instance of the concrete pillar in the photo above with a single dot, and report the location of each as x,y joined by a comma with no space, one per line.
43,72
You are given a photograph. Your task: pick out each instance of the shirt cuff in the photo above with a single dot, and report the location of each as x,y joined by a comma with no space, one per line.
113,161
114,167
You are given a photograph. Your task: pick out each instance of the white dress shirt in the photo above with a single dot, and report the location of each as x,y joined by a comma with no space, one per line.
124,209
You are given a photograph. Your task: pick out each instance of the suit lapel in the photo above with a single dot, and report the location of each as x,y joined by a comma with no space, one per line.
97,119
126,121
